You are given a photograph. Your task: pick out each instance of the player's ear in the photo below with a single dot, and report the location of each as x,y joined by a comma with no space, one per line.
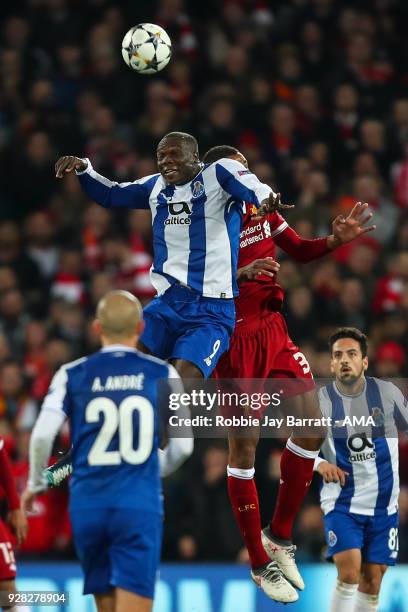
97,327
140,327
332,366
365,363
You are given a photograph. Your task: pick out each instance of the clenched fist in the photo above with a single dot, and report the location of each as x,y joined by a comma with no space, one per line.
67,163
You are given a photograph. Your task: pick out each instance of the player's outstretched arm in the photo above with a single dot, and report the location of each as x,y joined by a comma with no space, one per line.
329,471
108,194
345,229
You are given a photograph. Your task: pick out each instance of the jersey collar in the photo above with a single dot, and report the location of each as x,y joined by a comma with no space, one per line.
117,347
362,392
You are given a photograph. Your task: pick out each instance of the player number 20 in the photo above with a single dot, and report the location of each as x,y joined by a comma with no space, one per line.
120,419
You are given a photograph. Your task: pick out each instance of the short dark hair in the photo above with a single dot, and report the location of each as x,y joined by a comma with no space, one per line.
188,139
216,153
349,332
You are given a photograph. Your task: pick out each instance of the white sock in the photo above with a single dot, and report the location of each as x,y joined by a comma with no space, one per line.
342,598
365,603
241,473
301,452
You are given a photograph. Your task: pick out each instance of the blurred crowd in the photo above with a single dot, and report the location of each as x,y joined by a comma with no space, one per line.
315,95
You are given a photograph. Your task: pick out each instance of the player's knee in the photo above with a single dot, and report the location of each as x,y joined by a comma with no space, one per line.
349,575
370,582
187,370
370,585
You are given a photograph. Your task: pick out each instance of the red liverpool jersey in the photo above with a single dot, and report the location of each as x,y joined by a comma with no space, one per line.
258,239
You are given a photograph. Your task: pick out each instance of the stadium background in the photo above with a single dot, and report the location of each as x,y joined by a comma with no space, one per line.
315,94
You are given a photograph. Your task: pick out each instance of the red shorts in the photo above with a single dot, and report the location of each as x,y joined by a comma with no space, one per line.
262,349
7,560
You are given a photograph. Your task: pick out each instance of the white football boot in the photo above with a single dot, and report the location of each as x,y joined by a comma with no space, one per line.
284,557
270,579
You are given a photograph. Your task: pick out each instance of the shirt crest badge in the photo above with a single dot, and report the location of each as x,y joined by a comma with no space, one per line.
378,417
197,189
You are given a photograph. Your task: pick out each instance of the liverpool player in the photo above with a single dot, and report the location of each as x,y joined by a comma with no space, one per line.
18,523
262,337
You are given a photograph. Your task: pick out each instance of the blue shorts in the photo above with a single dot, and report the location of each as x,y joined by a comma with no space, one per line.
118,548
375,536
181,324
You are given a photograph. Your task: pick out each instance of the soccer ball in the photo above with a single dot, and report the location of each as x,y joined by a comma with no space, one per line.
146,48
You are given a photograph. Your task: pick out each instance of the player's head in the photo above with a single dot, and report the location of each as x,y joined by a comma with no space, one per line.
177,158
118,318
348,348
223,151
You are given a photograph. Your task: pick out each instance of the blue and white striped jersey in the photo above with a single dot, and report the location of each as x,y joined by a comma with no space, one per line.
195,226
368,453
112,399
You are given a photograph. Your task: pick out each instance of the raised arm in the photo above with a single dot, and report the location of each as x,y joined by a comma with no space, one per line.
108,194
345,229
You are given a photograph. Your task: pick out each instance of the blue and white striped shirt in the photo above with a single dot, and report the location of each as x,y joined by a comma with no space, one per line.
195,226
369,454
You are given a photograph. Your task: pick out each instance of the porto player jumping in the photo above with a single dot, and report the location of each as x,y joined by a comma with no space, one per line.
261,336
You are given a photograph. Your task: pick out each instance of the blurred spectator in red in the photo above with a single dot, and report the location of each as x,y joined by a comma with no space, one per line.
129,265
57,352
67,283
96,225
390,288
389,360
49,528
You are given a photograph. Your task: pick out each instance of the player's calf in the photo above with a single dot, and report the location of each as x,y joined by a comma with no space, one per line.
125,601
105,602
242,449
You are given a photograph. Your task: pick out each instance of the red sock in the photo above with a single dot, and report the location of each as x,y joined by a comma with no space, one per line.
244,501
296,475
